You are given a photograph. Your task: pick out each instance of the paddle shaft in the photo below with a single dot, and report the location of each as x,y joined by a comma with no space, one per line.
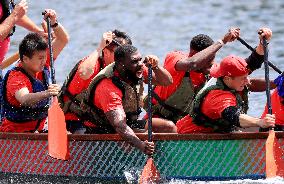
150,103
50,51
252,49
10,60
267,82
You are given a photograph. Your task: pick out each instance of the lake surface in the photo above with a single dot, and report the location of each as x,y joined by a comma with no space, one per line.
158,27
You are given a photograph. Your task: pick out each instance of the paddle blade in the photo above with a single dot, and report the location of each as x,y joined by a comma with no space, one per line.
150,174
274,154
278,154
57,134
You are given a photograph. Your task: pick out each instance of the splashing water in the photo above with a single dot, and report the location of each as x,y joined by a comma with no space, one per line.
132,175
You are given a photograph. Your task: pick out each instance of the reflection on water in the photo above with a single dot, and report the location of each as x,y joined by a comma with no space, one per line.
158,27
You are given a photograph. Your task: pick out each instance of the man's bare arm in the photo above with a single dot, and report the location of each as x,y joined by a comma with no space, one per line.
202,58
117,118
259,85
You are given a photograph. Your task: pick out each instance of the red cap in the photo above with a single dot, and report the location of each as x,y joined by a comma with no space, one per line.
231,65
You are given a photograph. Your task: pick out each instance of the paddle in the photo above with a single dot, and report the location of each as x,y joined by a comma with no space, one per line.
252,49
274,163
57,133
150,174
10,60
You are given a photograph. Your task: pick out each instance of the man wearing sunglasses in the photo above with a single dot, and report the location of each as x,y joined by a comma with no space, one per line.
114,97
81,75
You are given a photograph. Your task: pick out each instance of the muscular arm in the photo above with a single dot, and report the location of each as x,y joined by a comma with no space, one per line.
249,121
258,85
204,57
263,32
117,118
199,60
28,24
29,99
161,77
86,68
61,39
233,115
6,26
256,58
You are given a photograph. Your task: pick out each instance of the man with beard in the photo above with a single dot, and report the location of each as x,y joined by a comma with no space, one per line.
114,97
81,75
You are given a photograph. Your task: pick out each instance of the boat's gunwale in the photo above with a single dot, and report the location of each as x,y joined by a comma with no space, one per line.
156,137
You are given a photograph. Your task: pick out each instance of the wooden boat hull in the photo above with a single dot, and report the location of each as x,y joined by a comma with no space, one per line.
196,157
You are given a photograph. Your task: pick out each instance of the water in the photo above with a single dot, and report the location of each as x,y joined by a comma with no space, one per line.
158,27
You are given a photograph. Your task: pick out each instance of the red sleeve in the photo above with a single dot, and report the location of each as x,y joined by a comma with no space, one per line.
264,112
78,84
171,59
216,101
107,96
16,81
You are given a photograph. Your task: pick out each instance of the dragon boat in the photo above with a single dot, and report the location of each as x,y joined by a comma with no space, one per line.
107,157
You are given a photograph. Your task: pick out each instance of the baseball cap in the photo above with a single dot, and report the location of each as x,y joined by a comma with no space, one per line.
231,65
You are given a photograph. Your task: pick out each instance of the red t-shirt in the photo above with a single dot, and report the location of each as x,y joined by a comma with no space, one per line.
108,96
170,61
16,81
212,106
77,85
277,108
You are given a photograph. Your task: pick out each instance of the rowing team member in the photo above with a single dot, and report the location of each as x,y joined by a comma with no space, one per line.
26,90
11,15
104,91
